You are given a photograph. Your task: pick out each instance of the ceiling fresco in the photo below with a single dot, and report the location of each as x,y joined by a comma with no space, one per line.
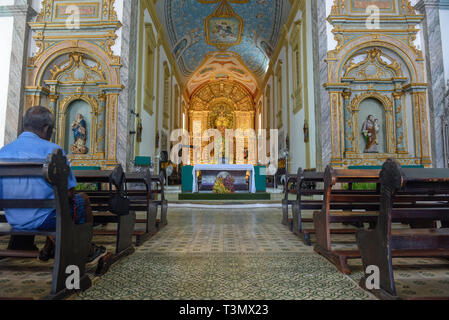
250,28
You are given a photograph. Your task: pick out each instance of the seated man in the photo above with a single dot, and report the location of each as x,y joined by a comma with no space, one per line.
34,143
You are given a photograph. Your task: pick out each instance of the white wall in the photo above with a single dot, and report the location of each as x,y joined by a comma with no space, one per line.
116,48
147,146
297,145
6,27
6,2
331,43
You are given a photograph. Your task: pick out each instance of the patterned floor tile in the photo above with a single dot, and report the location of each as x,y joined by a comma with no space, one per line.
224,254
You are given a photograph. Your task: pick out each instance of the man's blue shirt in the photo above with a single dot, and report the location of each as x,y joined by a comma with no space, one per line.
28,146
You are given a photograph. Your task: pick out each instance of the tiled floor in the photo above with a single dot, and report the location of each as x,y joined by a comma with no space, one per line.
224,254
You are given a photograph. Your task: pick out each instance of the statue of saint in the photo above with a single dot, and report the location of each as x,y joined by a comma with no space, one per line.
222,122
139,130
79,135
370,128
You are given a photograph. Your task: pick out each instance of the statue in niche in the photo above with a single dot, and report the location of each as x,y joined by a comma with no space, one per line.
80,135
222,122
370,128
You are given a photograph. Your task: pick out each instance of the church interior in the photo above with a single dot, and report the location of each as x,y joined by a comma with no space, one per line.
266,149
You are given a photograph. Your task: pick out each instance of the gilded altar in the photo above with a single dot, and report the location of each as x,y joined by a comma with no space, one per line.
377,73
76,75
221,105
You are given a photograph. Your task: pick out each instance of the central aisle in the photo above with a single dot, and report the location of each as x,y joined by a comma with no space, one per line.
224,254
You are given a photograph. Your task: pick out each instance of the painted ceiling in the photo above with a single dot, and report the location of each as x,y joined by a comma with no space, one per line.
249,28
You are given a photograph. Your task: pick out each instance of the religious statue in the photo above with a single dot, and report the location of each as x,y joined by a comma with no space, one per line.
139,131
306,132
370,128
79,135
222,122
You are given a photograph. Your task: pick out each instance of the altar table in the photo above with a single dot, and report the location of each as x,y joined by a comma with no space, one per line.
224,167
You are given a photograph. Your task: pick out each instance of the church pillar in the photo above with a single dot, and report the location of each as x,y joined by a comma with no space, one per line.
22,13
113,148
101,121
128,78
422,145
348,125
435,73
53,101
399,123
53,108
336,129
322,98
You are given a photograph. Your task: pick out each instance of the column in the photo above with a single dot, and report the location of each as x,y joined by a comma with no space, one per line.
22,13
128,78
422,147
320,68
101,124
53,108
398,122
435,73
347,122
336,131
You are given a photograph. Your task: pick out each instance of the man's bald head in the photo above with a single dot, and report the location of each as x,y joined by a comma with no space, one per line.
40,121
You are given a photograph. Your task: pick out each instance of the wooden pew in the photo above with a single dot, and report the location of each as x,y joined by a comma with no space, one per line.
306,179
303,182
162,203
347,202
144,200
157,184
103,212
378,246
72,241
289,188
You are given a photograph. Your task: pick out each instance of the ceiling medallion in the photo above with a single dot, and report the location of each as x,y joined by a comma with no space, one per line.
223,28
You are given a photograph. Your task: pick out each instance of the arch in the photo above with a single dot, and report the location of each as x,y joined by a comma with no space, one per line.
110,64
238,93
384,100
411,59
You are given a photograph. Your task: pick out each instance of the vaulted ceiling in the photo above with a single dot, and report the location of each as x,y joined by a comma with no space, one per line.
249,28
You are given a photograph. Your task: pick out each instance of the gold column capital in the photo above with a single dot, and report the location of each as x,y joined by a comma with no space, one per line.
397,95
102,97
346,94
53,97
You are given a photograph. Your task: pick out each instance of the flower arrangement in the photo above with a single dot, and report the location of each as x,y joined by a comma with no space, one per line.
229,183
224,185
